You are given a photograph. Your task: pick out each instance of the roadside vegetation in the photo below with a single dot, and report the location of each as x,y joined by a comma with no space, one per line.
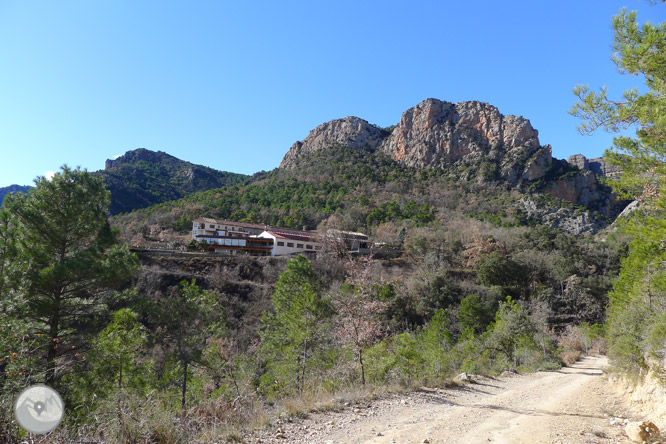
479,288
141,359
636,326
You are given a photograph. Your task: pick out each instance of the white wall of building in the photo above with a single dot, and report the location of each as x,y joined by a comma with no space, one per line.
288,246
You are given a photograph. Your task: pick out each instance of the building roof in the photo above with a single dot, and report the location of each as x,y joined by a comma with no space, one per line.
209,220
278,232
294,235
346,234
272,229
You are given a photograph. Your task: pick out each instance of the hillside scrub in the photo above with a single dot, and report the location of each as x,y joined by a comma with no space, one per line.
466,295
347,189
197,348
301,357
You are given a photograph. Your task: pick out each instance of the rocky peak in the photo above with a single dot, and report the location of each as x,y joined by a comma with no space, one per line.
598,166
437,134
579,161
350,132
137,155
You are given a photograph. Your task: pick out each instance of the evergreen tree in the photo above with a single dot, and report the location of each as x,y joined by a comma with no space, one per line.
637,50
70,260
471,314
512,329
115,352
436,342
188,317
295,337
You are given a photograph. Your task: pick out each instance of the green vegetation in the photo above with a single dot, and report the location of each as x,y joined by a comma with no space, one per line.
635,327
166,358
294,341
69,262
141,178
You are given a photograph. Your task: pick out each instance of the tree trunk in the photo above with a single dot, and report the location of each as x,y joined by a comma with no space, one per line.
182,401
360,360
52,353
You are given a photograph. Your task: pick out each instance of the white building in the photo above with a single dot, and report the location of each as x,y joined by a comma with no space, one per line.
231,238
209,226
287,241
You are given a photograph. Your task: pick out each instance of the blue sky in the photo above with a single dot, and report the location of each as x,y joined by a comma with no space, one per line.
232,85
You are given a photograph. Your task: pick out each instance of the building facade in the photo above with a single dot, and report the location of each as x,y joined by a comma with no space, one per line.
287,241
231,238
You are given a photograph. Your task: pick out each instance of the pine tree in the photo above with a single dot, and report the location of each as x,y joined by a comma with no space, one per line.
188,317
296,336
71,264
632,314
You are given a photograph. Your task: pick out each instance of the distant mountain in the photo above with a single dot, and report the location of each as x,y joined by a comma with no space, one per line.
12,189
441,160
141,178
472,142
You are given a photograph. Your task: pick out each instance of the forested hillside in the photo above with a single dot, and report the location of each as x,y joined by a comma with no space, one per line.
12,189
141,178
493,275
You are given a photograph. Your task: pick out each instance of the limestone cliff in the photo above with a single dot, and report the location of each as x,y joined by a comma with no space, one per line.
598,166
471,141
350,132
437,134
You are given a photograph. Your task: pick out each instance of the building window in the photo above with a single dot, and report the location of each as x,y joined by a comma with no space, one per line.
290,244
317,247
280,244
309,247
196,232
299,245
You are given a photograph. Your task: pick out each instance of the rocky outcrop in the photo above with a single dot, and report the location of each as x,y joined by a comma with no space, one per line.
575,221
601,167
437,134
598,166
579,161
350,132
580,187
472,141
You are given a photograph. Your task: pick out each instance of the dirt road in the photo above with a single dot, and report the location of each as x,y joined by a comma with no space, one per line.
572,405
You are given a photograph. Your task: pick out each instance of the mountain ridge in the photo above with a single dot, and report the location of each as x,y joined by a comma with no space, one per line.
141,178
12,189
471,141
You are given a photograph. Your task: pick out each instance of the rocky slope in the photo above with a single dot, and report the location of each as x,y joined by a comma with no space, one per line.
597,165
142,177
472,141
350,132
437,134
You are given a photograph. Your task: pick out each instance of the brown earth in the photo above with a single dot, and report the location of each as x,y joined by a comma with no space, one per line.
573,405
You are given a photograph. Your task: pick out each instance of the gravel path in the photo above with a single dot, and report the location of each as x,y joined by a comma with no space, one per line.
572,405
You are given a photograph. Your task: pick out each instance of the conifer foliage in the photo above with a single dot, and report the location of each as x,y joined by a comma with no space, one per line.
636,319
70,262
295,337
